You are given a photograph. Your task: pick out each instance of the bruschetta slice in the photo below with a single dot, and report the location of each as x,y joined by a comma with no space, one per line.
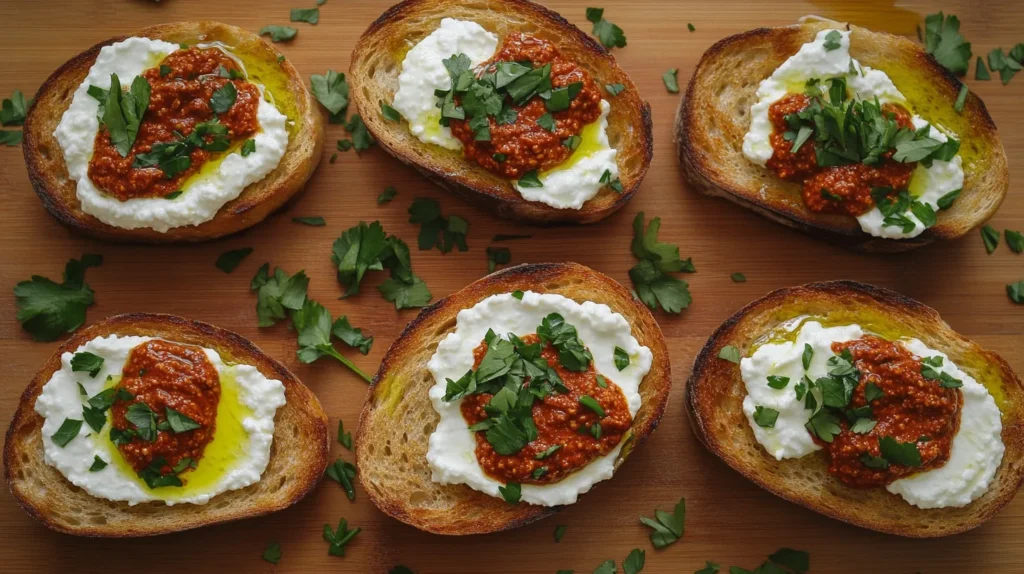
145,424
208,131
506,104
863,405
441,447
918,160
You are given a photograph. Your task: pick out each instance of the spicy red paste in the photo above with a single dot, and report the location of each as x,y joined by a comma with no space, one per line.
835,189
912,409
180,91
526,145
561,421
162,374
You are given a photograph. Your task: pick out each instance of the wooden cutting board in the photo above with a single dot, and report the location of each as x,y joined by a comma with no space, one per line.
729,520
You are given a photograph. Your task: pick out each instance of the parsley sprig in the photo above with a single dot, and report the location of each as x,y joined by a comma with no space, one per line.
610,35
280,296
654,286
943,40
435,229
666,527
367,247
47,309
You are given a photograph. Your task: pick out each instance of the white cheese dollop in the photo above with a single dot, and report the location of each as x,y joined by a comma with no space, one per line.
578,179
423,72
452,446
202,196
61,399
812,60
977,448
566,186
788,438
975,454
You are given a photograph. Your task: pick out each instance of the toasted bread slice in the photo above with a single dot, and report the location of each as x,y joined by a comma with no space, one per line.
298,455
377,62
398,418
49,175
715,393
715,114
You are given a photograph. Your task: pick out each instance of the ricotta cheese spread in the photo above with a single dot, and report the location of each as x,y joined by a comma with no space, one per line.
203,195
927,184
451,454
423,72
246,409
567,186
579,178
977,448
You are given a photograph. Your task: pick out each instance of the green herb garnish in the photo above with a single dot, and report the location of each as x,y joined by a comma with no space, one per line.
230,260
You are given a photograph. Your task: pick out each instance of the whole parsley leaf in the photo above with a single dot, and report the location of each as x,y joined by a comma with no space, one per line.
48,310
990,237
356,251
223,98
343,473
277,293
361,138
944,42
313,324
652,284
332,91
1015,291
229,260
307,15
14,110
87,362
279,33
905,453
272,553
634,563
10,138
435,229
610,35
666,527
497,256
351,336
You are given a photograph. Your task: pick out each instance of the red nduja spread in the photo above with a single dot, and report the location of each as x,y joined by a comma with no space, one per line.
526,145
913,409
162,374
835,189
560,420
179,101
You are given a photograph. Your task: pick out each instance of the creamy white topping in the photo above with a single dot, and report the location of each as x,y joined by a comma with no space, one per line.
203,195
977,448
578,179
423,72
61,399
451,453
566,186
812,60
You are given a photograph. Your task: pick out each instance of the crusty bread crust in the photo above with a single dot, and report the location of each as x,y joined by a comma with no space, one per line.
376,64
715,392
715,114
298,455
398,418
49,175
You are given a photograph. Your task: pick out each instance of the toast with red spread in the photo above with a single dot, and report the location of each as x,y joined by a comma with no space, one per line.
377,63
715,115
716,391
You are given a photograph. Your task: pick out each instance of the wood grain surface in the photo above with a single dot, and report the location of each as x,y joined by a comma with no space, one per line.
729,520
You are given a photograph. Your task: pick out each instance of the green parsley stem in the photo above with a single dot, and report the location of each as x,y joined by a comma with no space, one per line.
334,353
